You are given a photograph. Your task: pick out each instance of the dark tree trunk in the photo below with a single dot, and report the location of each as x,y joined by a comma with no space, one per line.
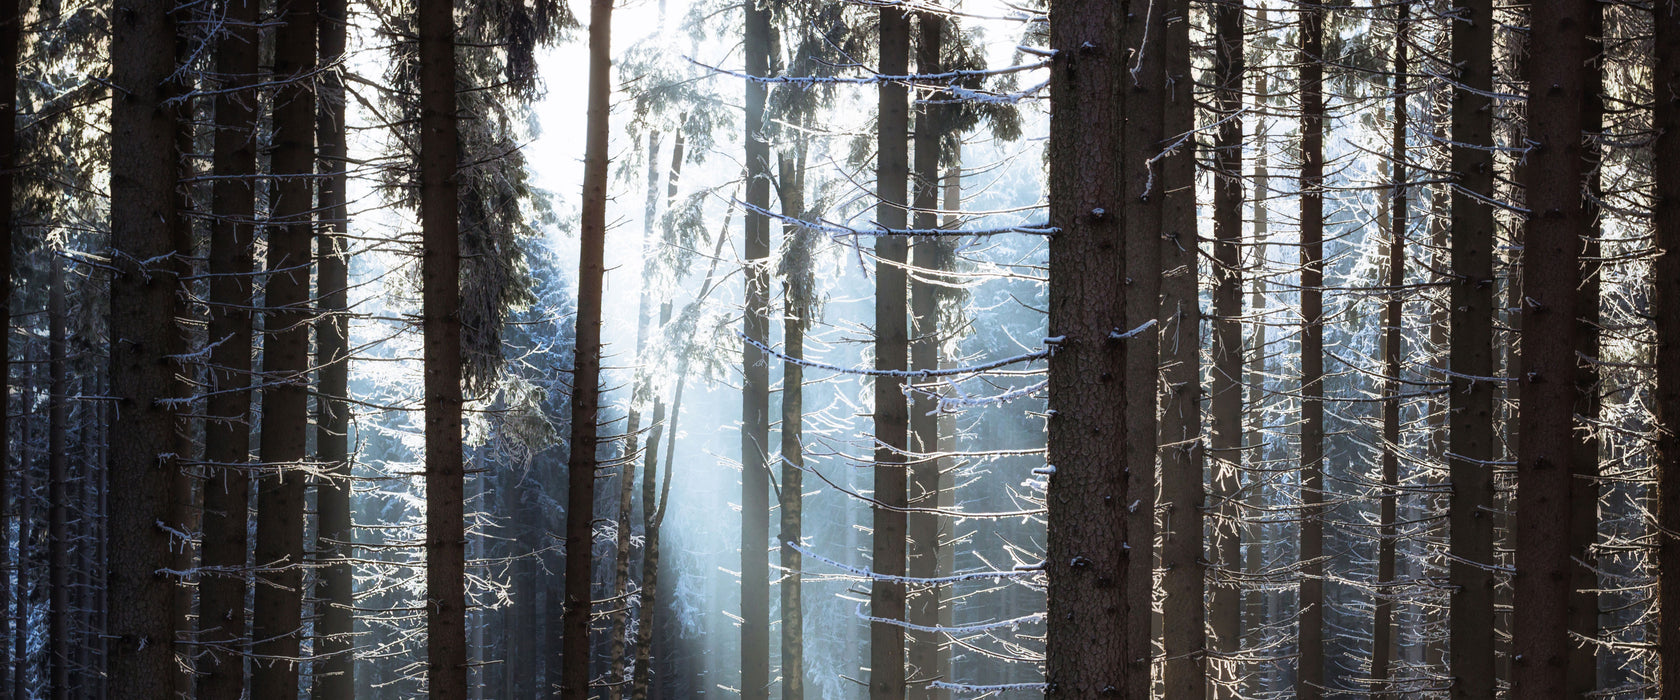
1382,628
892,410
1183,543
1092,539
1471,449
227,429
334,666
928,259
1309,678
586,372
149,256
1225,392
797,318
11,20
58,494
1583,507
277,613
440,300
1666,312
1550,326
755,368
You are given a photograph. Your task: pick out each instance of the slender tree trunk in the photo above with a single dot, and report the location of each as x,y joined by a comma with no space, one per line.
1546,412
586,372
928,259
1309,678
277,613
440,299
947,479
227,429
1184,556
1225,393
1471,449
1382,624
1666,313
58,494
334,672
797,296
755,368
21,632
1092,540
1258,606
149,256
1583,507
892,411
11,20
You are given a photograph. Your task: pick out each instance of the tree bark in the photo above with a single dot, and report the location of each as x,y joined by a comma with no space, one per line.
227,428
440,299
11,21
1225,391
586,372
892,411
755,369
334,671
1665,310
149,257
58,494
797,317
1583,507
1382,629
1309,679
1546,411
1092,538
1471,449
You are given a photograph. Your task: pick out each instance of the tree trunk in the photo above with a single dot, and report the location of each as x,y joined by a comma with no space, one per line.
11,20
1225,392
797,296
929,257
227,429
149,256
1382,629
334,671
277,616
58,494
440,299
1309,678
1258,606
1093,604
1583,507
1665,310
947,477
892,411
1184,557
586,372
1546,411
26,536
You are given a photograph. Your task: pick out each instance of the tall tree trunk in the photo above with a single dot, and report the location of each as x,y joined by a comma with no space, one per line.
277,612
947,478
227,429
334,671
21,632
1258,606
892,411
755,368
1092,538
1309,678
1184,556
652,506
149,256
1225,393
1665,310
1471,449
1382,627
1546,411
797,298
440,299
58,493
1583,507
586,372
928,259
11,21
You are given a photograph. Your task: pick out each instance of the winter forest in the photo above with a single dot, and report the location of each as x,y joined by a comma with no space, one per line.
885,349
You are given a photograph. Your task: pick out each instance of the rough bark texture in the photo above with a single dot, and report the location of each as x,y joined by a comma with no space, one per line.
227,430
11,19
334,669
892,411
149,258
755,367
440,299
927,257
1551,275
277,610
1257,608
1225,391
1382,629
1309,678
58,494
1090,647
1471,448
1666,311
796,319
